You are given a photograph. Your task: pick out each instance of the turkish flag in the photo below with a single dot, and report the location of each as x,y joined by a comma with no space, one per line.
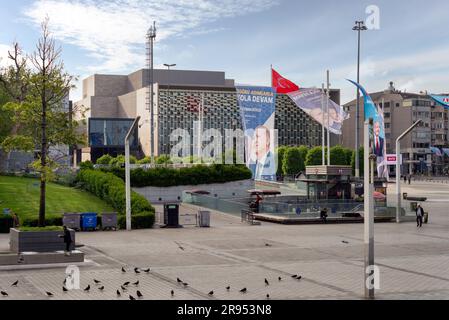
281,84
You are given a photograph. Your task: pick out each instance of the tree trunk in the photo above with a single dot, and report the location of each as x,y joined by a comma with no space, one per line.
43,159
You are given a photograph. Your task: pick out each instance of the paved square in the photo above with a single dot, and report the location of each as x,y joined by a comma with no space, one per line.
414,263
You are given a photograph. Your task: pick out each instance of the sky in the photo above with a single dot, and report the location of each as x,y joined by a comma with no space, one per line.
301,39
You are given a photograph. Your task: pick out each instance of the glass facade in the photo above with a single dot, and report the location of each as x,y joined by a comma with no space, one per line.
107,133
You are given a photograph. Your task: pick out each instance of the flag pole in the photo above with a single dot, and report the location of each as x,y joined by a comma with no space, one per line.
271,75
322,123
328,133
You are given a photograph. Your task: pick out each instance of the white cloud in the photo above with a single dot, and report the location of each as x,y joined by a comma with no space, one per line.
113,32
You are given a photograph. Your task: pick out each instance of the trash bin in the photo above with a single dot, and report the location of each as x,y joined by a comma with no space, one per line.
109,220
171,216
426,217
204,219
72,221
404,195
89,221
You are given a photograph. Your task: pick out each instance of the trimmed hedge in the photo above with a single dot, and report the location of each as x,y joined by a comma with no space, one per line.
50,220
6,222
143,220
112,190
168,177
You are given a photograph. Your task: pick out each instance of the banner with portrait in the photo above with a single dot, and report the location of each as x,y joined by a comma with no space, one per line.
257,108
312,101
379,146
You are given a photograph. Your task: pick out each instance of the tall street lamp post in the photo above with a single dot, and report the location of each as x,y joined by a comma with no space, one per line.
151,36
359,26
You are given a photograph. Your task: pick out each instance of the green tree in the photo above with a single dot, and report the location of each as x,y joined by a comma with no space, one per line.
338,156
293,162
303,150
280,152
361,162
348,156
41,121
163,159
314,157
104,159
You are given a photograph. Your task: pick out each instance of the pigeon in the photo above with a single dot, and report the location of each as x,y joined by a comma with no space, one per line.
136,271
65,281
101,288
87,288
139,294
268,296
279,278
123,288
295,276
15,284
172,293
126,284
179,280
64,289
131,297
228,288
211,293
97,281
267,245
298,277
49,294
185,284
266,282
4,294
244,290
118,293
123,269
345,242
146,270
136,283
179,246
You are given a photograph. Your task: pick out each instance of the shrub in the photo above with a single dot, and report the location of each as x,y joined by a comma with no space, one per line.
105,159
146,160
293,163
111,188
50,220
86,165
314,157
6,222
120,161
338,156
143,220
163,159
38,229
199,174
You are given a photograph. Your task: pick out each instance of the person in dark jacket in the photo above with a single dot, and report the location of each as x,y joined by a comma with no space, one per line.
419,215
67,240
323,215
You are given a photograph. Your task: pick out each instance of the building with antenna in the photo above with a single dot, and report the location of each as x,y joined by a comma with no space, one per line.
114,101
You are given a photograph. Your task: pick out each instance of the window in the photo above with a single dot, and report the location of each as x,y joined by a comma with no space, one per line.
387,114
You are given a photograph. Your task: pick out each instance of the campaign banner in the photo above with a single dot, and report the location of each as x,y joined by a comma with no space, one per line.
379,147
443,100
257,109
310,101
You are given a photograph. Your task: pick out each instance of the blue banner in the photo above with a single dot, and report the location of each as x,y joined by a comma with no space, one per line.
257,109
379,146
443,100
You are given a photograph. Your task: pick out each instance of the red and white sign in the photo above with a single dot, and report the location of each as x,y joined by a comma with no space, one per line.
391,159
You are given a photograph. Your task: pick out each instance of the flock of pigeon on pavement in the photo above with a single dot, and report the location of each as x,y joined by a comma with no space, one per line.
124,288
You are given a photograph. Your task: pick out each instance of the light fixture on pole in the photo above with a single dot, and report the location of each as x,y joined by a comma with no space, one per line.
398,168
151,36
359,26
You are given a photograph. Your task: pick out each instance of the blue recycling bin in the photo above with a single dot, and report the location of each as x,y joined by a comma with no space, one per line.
89,221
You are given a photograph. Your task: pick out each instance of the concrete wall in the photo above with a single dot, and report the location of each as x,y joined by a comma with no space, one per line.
104,107
110,85
127,105
236,189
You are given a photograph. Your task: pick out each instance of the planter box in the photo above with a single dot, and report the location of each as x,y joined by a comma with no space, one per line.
40,241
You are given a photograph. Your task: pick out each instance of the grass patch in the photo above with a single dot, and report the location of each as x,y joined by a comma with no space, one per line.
22,196
36,229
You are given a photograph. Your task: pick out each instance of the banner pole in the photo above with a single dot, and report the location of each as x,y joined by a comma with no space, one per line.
328,133
322,124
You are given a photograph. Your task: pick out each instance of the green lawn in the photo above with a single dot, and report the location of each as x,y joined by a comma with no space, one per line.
22,196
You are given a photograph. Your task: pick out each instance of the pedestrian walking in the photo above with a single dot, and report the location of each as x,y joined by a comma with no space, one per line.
323,215
419,215
405,178
67,240
409,179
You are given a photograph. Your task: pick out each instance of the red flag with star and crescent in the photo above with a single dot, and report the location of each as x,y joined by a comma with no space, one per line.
281,84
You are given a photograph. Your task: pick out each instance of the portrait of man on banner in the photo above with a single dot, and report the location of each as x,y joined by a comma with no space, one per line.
257,108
